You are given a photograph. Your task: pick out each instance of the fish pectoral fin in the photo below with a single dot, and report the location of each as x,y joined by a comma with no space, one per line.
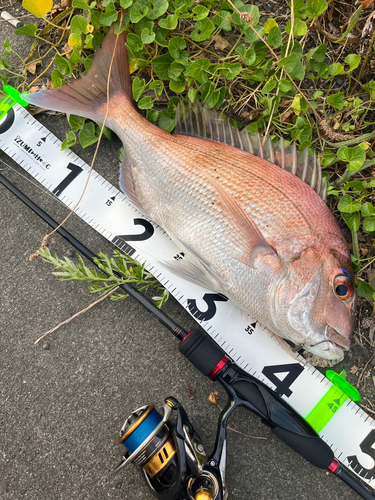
126,181
193,268
190,271
245,232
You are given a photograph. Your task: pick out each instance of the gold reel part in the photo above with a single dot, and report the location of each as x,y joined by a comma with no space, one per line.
204,494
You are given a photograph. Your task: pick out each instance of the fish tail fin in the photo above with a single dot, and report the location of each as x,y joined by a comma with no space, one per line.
88,96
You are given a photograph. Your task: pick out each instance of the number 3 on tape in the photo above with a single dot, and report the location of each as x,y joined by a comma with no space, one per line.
282,385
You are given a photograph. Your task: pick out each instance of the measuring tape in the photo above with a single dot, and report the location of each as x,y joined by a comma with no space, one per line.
325,403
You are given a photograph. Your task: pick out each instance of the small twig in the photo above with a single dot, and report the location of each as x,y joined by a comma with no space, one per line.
55,25
77,314
15,18
41,74
368,409
364,64
247,435
364,368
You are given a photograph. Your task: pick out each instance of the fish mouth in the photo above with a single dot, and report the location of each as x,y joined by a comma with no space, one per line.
326,349
336,338
332,347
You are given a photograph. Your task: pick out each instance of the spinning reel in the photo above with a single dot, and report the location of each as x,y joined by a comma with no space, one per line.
170,454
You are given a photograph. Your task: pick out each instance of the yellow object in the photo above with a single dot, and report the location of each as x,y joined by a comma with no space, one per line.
268,25
204,495
133,66
161,458
38,7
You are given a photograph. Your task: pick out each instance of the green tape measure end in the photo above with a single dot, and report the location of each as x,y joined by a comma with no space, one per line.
14,94
334,398
339,381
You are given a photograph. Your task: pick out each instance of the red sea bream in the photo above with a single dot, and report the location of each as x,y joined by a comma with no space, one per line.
249,229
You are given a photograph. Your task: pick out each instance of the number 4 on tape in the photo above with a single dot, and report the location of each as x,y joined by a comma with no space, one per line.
282,384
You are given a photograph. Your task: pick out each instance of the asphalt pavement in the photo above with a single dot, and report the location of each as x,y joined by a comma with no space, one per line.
63,401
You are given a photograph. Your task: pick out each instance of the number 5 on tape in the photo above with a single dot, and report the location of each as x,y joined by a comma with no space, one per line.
324,410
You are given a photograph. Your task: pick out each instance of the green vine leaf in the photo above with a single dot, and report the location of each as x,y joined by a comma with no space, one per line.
28,30
87,135
203,30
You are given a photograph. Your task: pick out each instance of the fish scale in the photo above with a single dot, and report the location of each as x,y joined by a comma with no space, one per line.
266,209
246,227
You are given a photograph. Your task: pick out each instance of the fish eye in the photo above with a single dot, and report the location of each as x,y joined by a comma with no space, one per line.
343,287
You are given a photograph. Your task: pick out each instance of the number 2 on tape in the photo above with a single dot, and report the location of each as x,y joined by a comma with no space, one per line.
148,231
292,370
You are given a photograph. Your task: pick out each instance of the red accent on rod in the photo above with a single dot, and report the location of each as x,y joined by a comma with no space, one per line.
333,465
186,336
218,367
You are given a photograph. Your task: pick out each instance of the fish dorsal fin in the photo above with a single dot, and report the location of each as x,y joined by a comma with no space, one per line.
200,121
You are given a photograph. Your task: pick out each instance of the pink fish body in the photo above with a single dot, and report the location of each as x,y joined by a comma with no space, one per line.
248,228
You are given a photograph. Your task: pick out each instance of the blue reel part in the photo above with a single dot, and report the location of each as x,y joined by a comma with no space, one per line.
149,444
140,428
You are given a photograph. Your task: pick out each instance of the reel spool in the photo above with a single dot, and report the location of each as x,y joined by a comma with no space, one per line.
170,453
148,439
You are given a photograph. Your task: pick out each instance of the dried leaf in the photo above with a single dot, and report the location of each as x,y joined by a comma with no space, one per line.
190,392
373,379
49,84
354,369
371,276
366,3
287,116
221,43
67,48
331,134
213,397
34,89
31,68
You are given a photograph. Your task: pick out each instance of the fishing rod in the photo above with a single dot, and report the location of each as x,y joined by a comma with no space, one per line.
167,449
